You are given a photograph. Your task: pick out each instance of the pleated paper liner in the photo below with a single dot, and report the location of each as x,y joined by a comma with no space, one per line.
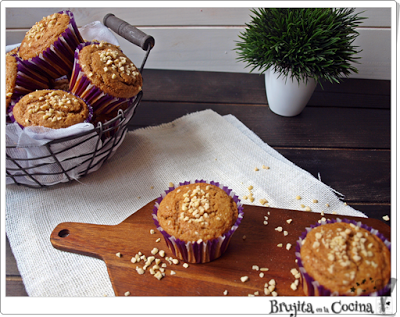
104,105
57,60
312,287
27,81
204,251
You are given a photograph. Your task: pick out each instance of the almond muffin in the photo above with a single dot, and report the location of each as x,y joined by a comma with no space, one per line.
198,220
54,109
105,77
345,259
49,46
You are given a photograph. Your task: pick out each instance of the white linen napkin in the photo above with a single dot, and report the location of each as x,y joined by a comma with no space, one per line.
97,31
202,145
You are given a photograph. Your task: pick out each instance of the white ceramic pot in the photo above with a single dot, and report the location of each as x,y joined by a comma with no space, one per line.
286,96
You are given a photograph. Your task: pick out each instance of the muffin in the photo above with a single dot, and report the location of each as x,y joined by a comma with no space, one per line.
21,80
343,258
48,47
198,220
54,109
105,77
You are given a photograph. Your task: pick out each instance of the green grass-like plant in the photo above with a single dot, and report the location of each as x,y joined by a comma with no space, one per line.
309,42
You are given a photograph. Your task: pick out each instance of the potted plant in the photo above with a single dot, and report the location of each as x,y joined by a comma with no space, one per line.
297,48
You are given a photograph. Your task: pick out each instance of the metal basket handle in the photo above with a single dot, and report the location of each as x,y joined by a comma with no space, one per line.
129,32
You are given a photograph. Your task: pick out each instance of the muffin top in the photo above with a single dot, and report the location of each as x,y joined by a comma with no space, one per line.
43,34
11,77
197,211
14,51
108,68
345,258
50,108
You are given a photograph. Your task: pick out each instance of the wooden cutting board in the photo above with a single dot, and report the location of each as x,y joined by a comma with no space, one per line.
259,247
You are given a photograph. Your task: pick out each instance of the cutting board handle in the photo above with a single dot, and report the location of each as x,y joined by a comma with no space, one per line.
81,238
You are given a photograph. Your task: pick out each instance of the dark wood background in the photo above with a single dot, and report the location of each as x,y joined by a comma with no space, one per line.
344,133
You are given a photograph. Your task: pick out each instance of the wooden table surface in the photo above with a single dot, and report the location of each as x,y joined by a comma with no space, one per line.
343,134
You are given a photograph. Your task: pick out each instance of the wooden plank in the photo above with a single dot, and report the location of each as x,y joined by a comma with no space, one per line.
336,126
14,283
376,211
11,264
375,63
15,287
215,87
327,99
361,176
357,86
240,88
212,49
353,92
376,17
150,16
171,16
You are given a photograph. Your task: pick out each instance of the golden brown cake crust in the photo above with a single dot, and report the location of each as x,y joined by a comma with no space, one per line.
43,34
197,211
346,259
110,70
11,77
13,51
50,108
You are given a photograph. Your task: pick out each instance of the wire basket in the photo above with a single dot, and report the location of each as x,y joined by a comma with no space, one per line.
65,159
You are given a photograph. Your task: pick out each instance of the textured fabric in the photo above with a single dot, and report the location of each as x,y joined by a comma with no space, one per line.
97,31
202,145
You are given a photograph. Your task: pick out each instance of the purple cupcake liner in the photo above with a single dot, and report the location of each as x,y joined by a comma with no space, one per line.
81,85
15,101
57,60
27,80
312,287
193,251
